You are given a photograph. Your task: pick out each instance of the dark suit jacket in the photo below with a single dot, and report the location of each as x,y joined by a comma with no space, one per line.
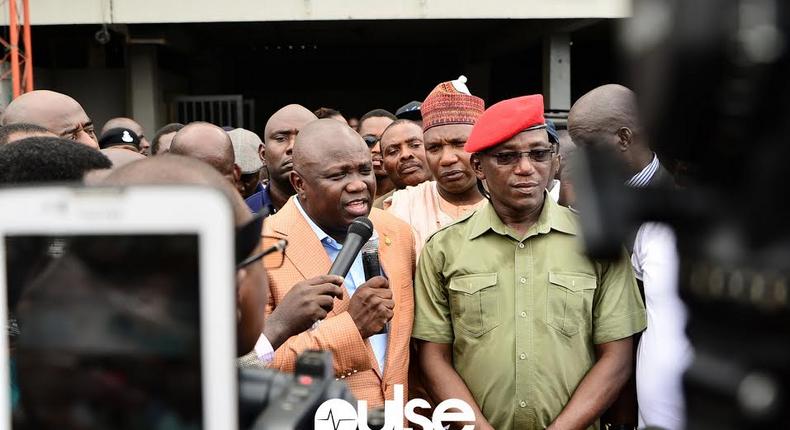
661,179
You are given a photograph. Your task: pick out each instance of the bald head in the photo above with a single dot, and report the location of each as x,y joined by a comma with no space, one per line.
122,122
209,144
277,149
118,156
290,117
169,169
605,108
121,156
324,140
333,175
58,113
608,118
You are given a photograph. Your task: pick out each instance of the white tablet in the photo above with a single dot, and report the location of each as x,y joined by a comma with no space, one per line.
121,305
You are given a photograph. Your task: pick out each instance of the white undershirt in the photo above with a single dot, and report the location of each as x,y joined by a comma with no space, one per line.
664,352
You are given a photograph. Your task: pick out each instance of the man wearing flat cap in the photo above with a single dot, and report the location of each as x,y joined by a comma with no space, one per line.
511,315
245,149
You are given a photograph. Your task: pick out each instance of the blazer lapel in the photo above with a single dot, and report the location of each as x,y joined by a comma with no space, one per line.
304,252
391,268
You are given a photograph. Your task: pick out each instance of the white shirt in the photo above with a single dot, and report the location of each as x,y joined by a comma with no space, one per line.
641,179
664,352
554,190
264,349
423,209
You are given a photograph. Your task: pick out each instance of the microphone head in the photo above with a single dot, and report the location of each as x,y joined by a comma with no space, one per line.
361,226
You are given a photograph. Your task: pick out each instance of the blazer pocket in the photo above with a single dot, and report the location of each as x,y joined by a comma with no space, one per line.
569,301
474,302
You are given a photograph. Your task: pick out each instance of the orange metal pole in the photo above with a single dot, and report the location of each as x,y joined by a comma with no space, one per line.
13,27
28,47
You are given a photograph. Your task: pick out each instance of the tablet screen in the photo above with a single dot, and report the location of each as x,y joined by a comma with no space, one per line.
104,331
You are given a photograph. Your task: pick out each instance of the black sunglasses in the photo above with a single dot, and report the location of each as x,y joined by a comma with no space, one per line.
371,141
509,158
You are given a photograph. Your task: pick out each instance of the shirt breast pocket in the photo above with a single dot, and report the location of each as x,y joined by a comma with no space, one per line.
569,301
474,301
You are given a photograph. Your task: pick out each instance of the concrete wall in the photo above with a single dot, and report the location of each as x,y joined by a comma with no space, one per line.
101,92
109,93
145,96
152,11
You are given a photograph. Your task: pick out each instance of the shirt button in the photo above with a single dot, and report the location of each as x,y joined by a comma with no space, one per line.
523,280
521,245
523,315
523,404
523,356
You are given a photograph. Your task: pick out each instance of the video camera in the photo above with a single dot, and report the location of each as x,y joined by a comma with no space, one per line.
711,77
273,400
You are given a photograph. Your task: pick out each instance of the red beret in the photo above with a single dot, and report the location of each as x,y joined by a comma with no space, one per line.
504,120
446,104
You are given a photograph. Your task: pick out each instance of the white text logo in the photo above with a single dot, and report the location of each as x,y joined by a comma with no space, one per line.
337,414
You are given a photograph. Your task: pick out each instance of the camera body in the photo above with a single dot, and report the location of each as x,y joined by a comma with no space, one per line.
273,400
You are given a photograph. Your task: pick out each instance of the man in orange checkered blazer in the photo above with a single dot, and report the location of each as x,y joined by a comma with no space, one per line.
334,183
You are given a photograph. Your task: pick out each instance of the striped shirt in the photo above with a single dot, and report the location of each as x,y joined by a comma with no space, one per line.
641,179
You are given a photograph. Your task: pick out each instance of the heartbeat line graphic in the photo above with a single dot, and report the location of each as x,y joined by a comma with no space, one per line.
335,425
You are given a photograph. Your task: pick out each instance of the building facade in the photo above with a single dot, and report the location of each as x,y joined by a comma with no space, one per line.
234,62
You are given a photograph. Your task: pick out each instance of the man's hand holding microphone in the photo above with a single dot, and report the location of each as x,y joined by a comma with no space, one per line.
307,302
371,306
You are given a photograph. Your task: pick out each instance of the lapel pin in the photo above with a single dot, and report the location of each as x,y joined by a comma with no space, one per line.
387,240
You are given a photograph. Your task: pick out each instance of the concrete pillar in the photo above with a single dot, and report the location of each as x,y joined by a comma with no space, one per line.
557,71
144,93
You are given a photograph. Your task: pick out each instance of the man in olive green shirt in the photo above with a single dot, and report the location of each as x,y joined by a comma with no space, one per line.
512,317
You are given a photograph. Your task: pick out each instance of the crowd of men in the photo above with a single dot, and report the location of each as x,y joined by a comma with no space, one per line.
487,295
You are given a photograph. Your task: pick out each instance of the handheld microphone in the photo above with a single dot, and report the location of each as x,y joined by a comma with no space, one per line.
359,232
370,260
372,267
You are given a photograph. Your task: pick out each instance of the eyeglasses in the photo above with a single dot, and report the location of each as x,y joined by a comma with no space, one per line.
274,262
371,141
509,158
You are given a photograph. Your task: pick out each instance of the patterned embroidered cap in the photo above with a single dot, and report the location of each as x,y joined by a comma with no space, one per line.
451,103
